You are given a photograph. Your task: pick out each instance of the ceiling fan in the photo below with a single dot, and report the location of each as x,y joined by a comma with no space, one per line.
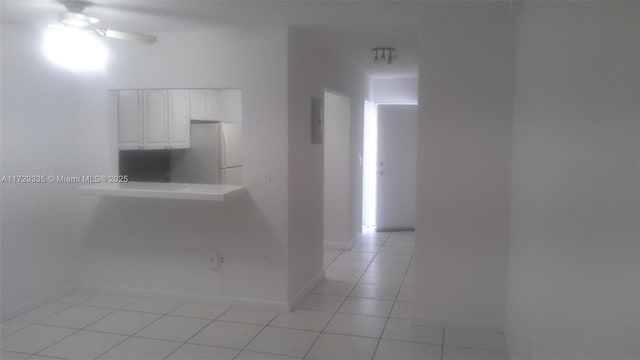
75,18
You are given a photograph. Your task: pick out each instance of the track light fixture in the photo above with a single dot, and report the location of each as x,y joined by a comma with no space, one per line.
384,55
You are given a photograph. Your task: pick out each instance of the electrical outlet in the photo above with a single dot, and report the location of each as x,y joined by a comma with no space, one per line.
214,260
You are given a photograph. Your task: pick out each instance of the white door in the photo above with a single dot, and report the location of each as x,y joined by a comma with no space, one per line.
179,119
129,120
396,167
155,119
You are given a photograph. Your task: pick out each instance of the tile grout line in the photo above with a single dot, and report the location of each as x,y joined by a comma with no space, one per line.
197,332
253,338
165,314
49,303
444,333
38,322
394,304
30,355
339,306
46,357
76,330
346,297
93,322
126,337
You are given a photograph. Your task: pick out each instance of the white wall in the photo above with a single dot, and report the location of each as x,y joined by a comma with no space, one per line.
164,248
337,146
402,90
148,246
311,71
573,262
139,246
464,133
39,113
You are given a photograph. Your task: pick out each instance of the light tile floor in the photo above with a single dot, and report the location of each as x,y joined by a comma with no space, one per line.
362,310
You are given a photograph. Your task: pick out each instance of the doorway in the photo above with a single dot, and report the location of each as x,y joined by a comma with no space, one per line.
369,161
389,167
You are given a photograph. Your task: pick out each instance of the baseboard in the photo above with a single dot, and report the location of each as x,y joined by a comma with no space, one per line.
15,311
392,229
306,290
341,245
457,323
269,305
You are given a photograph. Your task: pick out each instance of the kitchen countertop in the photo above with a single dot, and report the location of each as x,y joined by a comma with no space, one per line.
211,192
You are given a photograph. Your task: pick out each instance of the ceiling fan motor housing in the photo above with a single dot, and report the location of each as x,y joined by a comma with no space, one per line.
74,6
74,16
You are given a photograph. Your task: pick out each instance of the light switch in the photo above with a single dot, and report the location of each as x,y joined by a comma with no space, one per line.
214,259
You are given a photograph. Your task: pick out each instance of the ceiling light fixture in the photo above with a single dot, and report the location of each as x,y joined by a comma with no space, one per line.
384,54
74,48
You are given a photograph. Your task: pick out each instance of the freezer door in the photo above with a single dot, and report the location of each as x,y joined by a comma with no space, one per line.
232,176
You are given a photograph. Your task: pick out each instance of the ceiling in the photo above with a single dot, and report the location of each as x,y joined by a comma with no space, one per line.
350,28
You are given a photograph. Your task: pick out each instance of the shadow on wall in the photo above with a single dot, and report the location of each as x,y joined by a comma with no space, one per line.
164,247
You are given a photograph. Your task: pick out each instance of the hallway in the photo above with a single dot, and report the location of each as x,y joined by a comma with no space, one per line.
372,286
361,310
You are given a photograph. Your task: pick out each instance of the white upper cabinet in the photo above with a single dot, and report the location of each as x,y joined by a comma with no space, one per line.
179,119
153,119
205,105
155,115
161,118
129,120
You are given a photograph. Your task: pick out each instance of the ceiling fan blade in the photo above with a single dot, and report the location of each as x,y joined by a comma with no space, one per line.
123,35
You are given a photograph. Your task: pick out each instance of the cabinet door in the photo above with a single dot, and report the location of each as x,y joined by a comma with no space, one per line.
129,120
179,119
155,119
212,107
198,104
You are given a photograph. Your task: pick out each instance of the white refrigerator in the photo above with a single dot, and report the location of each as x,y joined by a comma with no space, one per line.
215,156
